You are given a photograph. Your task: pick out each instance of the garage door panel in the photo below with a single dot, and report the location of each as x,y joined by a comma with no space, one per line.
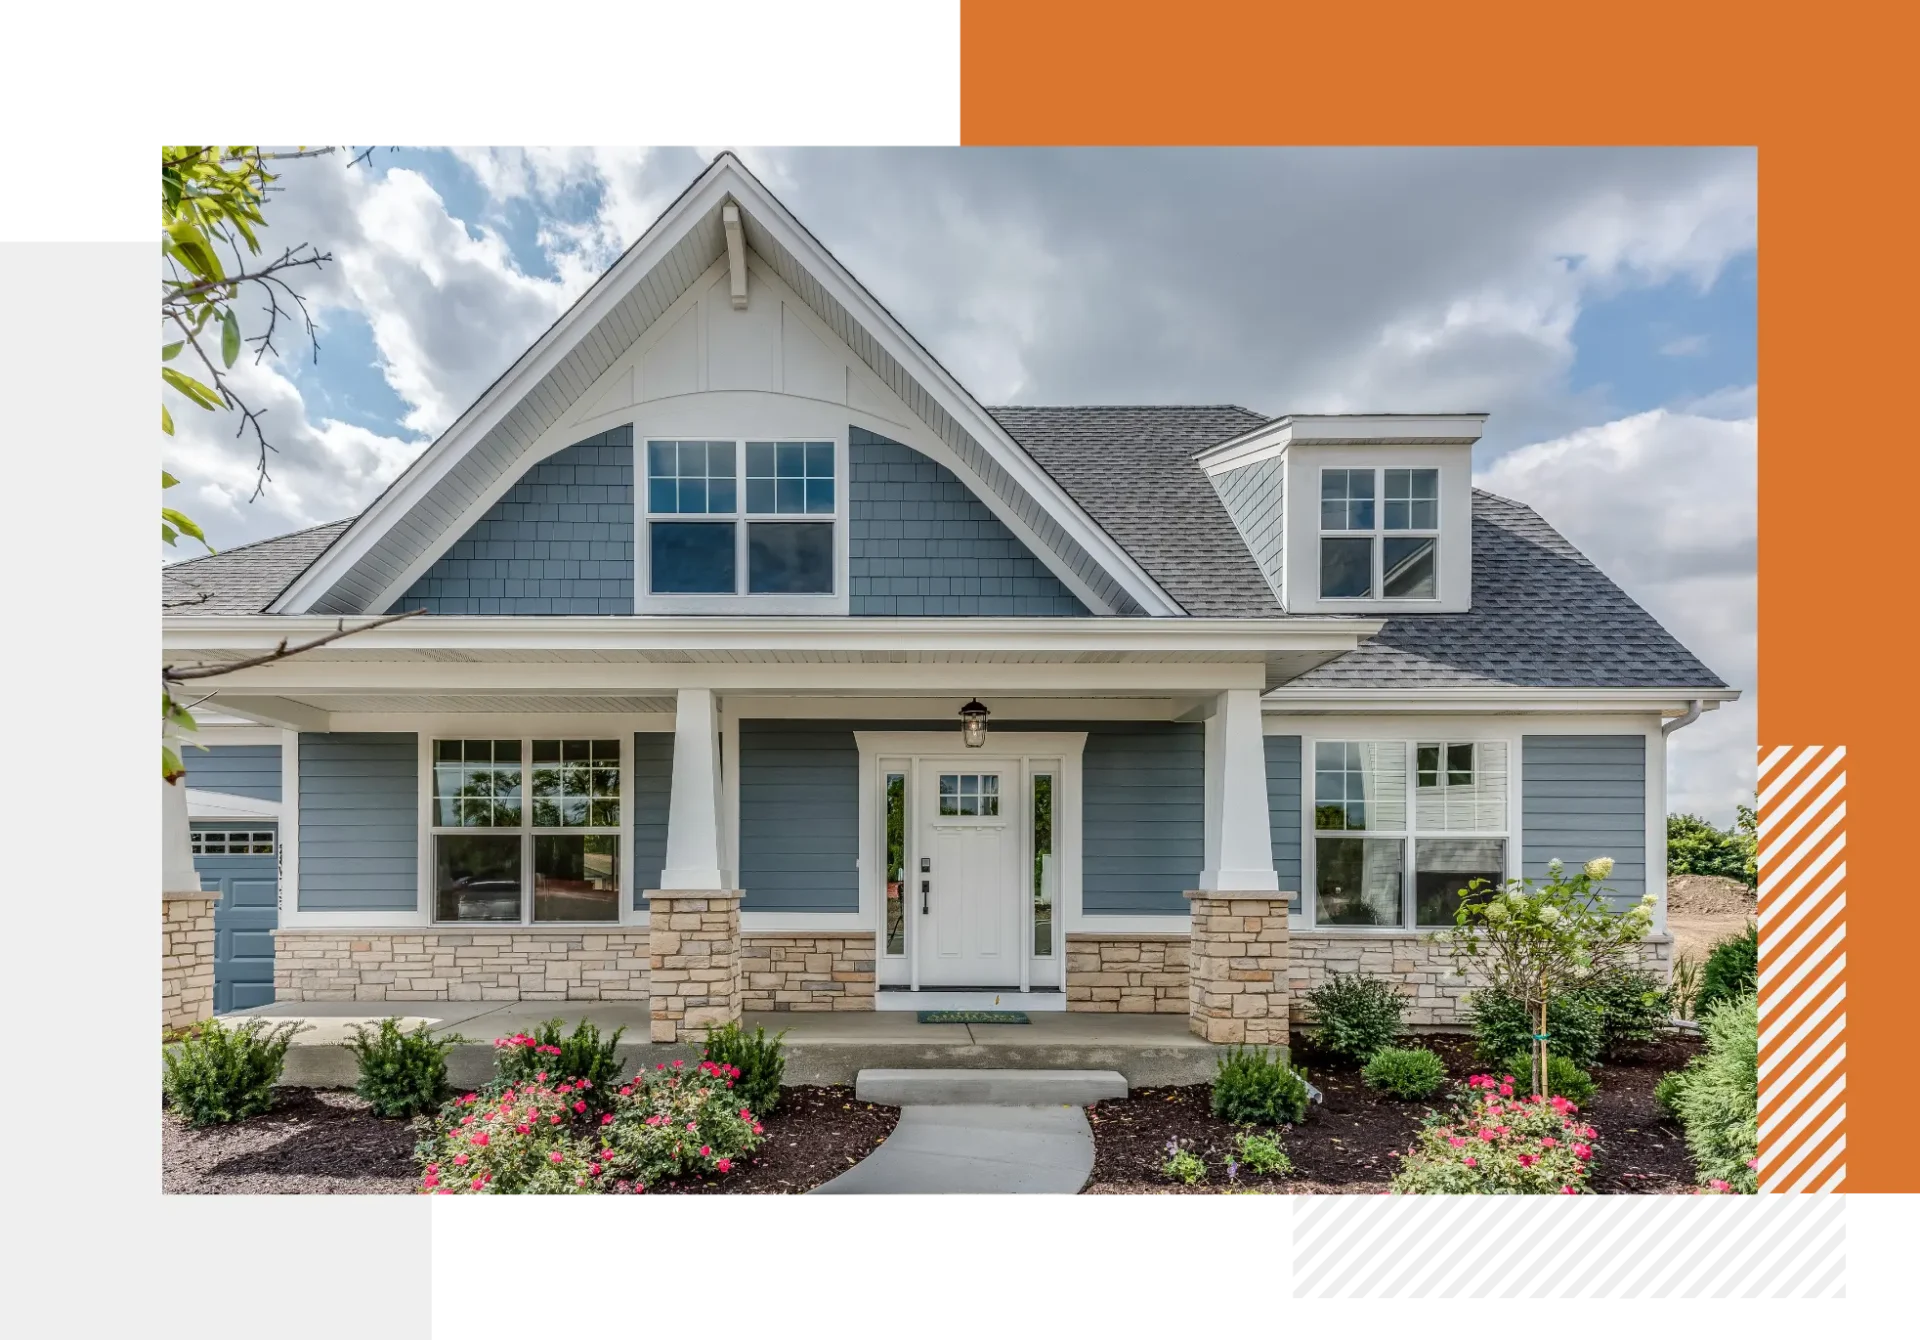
246,874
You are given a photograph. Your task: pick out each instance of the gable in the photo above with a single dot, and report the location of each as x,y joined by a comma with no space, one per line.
1255,496
656,328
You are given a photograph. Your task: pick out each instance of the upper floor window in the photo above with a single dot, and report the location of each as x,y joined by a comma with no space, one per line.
706,535
1389,550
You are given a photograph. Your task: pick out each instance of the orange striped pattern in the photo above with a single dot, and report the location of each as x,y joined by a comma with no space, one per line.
1802,814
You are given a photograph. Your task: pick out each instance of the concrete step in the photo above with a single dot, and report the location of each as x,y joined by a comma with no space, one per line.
998,1088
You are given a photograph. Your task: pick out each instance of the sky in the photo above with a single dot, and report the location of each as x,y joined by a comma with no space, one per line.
1599,304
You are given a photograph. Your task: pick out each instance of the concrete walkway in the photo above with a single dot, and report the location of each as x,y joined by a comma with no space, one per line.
975,1149
822,1048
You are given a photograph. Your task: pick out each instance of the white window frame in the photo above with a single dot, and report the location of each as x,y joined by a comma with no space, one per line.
740,600
622,733
1377,537
1441,733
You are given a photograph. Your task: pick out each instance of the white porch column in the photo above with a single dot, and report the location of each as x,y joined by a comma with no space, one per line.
186,919
695,855
177,877
1239,841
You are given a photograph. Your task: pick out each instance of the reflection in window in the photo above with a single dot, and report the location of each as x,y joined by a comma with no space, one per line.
233,842
1046,871
694,477
1407,569
1442,869
969,793
1360,785
1346,568
1359,881
789,558
691,558
476,877
1346,500
1413,500
895,821
576,784
576,877
1460,788
790,478
476,783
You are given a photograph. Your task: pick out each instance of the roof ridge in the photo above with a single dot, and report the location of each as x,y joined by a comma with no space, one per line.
254,544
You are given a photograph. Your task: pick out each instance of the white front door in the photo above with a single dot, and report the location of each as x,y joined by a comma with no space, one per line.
967,886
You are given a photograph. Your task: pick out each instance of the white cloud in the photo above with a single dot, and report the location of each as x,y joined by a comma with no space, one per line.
1666,503
1686,346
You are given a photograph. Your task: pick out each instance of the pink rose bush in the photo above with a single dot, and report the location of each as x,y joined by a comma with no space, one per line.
674,1122
522,1140
1494,1143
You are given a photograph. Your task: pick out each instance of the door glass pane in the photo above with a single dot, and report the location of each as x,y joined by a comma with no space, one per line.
576,877
1358,881
476,877
1046,875
691,558
968,794
1443,867
787,558
1346,569
895,821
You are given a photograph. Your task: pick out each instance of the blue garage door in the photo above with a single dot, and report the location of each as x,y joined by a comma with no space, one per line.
244,865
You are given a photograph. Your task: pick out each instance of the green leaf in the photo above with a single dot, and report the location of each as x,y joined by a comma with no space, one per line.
167,481
169,352
183,523
170,766
166,421
229,336
200,394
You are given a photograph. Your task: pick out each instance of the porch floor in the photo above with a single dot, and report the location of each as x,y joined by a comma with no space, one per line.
822,1047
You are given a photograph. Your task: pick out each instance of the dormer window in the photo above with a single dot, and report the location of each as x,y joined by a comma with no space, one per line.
709,535
1388,548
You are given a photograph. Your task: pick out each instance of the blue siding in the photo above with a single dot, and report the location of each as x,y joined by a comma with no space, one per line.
359,822
1283,812
1142,815
652,790
799,816
251,770
922,544
1584,796
1253,498
559,542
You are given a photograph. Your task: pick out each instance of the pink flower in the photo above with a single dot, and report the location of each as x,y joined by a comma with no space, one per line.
1548,1142
586,1084
725,1165
1457,1141
542,1077
579,1107
1753,1163
524,1129
557,1157
480,1138
1506,1079
1471,1161
1568,1191
678,1064
594,1168
460,1160
1528,1160
706,1151
1488,1136
479,1182
745,1115
607,1120
627,1092
692,1126
1582,1152
757,1129
1719,1185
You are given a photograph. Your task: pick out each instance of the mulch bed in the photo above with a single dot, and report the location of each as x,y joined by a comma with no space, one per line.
1346,1142
314,1141
327,1141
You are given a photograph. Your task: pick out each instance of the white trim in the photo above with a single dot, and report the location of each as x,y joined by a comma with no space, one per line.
289,894
736,255
1048,1001
725,179
1656,852
210,805
1500,699
1274,437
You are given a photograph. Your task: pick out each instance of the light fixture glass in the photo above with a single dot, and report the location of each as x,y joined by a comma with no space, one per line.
973,724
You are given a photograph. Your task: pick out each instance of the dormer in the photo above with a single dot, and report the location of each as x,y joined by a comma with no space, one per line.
1356,513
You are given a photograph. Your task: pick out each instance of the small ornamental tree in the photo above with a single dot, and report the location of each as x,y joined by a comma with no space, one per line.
1538,942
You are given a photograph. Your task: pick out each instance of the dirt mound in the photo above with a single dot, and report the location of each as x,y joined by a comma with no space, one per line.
1709,896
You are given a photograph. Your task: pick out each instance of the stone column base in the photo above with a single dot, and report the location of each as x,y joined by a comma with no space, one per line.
186,958
1237,963
693,970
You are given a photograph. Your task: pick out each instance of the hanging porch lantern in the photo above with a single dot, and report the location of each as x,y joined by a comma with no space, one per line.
973,724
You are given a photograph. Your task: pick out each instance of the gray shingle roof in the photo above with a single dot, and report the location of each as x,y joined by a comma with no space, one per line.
1543,617
246,578
1131,467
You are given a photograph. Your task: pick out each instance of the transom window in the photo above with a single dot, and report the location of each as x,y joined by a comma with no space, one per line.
704,535
526,830
1396,553
1395,847
970,794
233,842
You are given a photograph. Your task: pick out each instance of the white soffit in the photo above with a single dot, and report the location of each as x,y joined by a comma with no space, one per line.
1385,430
421,511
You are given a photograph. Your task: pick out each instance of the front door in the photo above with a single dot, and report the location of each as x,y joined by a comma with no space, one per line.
966,887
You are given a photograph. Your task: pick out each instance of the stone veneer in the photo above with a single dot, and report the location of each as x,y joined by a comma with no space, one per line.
1238,968
1437,993
510,963
1127,974
694,961
784,971
186,959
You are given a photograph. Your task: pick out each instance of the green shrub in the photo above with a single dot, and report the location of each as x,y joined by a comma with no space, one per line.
1183,1165
1576,1024
223,1074
1405,1072
523,1058
1255,1087
1491,1144
1666,1094
759,1059
1634,1008
1564,1078
524,1139
673,1122
1696,847
1355,1016
1731,971
1686,987
1260,1154
402,1074
1718,1097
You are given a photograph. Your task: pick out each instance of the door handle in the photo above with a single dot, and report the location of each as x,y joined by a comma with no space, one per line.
926,886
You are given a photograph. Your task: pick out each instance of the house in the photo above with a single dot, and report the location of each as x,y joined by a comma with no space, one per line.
763,668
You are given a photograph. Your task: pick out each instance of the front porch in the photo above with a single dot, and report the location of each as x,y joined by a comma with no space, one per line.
821,1048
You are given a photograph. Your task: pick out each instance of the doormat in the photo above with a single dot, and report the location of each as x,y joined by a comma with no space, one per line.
972,1017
